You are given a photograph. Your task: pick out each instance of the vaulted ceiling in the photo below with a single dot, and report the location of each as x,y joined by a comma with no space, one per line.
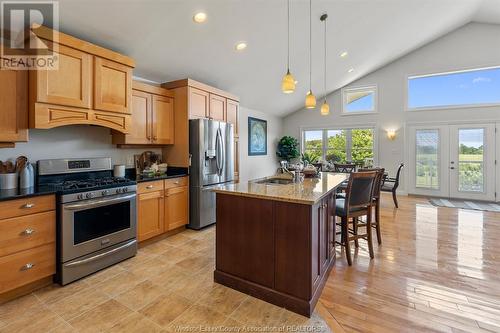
168,45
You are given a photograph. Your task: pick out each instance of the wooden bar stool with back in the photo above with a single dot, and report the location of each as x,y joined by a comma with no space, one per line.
358,202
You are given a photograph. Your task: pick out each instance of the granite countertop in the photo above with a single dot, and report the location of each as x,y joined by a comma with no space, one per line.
20,193
309,192
172,172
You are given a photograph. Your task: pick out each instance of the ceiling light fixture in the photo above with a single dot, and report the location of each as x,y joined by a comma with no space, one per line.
344,54
350,70
240,46
200,17
288,83
325,108
310,98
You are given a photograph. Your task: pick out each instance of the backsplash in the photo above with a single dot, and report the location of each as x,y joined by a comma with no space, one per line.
72,142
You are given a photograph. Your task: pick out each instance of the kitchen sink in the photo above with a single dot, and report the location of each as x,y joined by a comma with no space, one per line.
275,181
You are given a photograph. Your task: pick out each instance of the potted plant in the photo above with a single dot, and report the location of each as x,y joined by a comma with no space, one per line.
288,148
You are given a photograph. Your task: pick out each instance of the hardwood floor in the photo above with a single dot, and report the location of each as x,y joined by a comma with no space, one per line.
437,270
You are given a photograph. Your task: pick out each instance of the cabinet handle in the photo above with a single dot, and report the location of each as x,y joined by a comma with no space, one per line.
28,266
176,182
28,232
149,187
154,138
29,205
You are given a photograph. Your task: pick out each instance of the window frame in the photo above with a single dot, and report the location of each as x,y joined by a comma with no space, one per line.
373,127
344,91
445,107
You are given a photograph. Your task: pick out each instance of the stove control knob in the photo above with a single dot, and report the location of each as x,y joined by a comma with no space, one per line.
105,192
118,190
125,190
79,196
89,195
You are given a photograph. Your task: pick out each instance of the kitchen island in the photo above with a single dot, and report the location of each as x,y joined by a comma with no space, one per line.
275,239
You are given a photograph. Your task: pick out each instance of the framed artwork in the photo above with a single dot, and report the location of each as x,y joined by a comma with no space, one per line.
257,137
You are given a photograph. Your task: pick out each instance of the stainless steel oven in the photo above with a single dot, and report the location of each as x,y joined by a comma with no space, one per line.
95,233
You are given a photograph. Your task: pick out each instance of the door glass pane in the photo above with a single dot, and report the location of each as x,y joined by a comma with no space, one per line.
336,150
313,141
362,145
427,162
471,160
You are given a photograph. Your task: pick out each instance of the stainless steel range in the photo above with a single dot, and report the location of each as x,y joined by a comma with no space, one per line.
96,224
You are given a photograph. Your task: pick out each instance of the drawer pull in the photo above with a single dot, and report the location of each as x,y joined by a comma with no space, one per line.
29,205
28,232
176,182
27,266
149,187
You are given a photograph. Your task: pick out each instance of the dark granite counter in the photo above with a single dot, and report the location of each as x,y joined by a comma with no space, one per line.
20,193
172,172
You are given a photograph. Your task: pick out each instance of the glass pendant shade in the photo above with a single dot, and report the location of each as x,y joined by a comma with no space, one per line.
310,100
325,109
288,83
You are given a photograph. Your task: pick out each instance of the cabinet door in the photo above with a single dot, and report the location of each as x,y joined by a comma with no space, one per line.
141,122
112,86
217,107
150,215
70,84
163,120
13,105
199,101
176,207
232,114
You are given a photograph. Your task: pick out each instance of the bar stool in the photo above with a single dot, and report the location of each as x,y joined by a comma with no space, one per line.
376,199
358,202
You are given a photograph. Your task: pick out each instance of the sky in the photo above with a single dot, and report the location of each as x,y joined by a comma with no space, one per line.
466,88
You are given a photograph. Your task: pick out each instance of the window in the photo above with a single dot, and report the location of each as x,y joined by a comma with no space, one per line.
427,153
466,88
339,145
359,100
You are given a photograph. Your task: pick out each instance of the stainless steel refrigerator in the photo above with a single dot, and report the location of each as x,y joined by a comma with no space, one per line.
212,163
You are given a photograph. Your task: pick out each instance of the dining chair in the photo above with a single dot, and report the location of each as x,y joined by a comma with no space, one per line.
344,168
358,202
391,184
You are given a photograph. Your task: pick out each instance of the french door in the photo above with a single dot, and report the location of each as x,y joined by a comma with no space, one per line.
456,161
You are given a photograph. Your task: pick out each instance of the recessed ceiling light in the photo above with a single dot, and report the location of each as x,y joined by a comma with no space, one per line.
344,54
240,46
350,70
200,17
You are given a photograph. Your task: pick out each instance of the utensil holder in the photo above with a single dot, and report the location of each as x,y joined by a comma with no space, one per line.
8,181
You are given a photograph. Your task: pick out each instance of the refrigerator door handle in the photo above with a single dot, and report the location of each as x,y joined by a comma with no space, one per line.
218,151
223,152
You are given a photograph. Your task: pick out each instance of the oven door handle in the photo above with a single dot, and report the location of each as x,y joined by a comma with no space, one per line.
100,255
100,202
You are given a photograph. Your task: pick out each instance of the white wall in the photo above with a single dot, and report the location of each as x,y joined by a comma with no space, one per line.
252,167
71,141
471,46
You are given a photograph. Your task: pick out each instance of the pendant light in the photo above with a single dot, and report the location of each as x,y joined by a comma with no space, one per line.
325,108
288,82
310,98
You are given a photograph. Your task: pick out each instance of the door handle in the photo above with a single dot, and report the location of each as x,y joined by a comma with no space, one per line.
452,168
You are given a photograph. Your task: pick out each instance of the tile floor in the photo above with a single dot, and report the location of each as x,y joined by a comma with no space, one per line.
167,287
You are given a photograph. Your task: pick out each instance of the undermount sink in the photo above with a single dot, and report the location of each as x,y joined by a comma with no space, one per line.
275,181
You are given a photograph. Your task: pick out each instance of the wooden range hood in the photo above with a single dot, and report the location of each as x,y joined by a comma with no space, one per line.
92,86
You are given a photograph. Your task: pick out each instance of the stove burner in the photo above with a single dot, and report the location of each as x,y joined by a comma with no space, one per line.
90,183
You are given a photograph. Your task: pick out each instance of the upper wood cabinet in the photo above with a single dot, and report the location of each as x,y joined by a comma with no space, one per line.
70,84
90,86
232,112
163,120
194,100
152,119
112,86
217,109
13,105
199,103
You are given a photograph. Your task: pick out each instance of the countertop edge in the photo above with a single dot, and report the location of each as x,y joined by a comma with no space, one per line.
269,197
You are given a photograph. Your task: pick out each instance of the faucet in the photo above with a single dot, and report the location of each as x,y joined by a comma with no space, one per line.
284,170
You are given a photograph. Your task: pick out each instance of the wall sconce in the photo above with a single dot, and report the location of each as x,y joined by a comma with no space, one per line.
391,134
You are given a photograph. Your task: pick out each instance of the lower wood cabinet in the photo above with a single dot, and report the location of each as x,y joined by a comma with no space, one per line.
27,241
150,214
162,206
